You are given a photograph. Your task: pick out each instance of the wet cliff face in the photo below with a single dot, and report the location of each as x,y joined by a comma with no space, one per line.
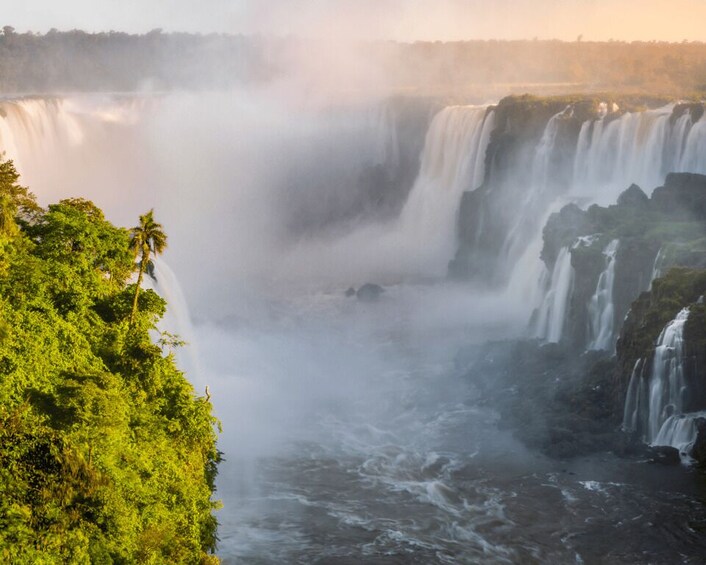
654,234
545,152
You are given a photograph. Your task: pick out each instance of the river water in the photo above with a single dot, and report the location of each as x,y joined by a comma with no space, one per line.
351,436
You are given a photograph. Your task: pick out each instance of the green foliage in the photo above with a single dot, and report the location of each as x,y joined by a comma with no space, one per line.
106,454
146,238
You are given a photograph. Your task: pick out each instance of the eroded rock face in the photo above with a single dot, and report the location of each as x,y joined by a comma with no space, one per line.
654,235
683,196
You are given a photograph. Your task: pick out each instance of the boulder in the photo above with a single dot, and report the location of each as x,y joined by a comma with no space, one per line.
664,455
350,292
369,292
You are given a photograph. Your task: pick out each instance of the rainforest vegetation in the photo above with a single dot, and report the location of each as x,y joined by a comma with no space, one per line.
106,453
115,61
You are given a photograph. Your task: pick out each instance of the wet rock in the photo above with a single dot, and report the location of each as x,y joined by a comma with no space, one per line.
698,452
633,197
664,455
369,292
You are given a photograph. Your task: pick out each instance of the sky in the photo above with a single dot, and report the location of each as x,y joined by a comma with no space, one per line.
402,20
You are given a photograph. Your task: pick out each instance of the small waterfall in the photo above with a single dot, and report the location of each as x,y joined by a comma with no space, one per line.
177,319
552,312
655,400
667,385
679,431
637,400
657,267
601,310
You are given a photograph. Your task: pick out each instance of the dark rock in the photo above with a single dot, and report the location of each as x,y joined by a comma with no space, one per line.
369,292
683,196
634,197
664,455
698,452
350,292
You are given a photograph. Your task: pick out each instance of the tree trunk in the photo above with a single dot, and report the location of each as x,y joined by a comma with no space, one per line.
143,266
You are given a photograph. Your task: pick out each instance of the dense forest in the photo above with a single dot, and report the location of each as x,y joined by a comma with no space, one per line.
106,454
115,61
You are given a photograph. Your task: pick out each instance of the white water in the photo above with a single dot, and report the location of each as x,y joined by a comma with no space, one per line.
657,266
636,407
654,404
601,310
667,385
639,148
679,431
177,320
610,155
552,313
452,162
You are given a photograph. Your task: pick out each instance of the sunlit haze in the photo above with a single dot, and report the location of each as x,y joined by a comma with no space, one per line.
401,20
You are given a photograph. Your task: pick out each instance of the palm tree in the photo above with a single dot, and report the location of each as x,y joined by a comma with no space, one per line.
146,238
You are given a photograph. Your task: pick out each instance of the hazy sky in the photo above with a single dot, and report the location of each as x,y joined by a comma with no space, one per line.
672,20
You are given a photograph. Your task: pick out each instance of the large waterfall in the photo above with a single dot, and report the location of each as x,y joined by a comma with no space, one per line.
453,160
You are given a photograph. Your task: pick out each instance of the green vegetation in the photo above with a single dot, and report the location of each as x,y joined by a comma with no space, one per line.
652,311
146,238
114,61
106,454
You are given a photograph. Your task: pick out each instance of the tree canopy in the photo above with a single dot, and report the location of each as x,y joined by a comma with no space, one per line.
106,453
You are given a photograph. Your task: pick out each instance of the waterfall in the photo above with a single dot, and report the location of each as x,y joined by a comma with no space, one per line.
639,147
552,312
657,267
666,384
679,431
655,399
177,319
601,310
452,161
636,400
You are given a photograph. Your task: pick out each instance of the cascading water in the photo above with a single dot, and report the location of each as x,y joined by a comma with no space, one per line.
601,310
611,153
637,147
655,400
452,161
657,266
667,385
177,319
552,313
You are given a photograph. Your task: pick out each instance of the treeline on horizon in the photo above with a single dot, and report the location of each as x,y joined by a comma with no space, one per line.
116,61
